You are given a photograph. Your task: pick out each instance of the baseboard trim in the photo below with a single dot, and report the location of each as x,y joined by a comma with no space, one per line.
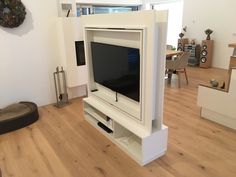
219,118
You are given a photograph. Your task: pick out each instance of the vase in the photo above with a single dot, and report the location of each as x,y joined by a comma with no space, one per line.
208,37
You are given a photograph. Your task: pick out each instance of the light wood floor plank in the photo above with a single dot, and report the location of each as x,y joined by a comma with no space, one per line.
63,144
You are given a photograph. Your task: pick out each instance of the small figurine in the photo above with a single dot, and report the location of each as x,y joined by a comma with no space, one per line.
214,83
208,32
181,35
223,85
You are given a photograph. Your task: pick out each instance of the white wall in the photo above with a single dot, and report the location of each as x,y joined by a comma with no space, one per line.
28,56
69,31
175,14
217,15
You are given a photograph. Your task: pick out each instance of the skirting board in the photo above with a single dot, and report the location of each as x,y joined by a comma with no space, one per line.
219,118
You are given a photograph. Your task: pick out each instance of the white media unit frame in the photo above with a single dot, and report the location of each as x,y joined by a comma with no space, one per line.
137,126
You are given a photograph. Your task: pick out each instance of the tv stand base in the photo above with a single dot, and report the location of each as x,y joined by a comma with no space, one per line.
143,148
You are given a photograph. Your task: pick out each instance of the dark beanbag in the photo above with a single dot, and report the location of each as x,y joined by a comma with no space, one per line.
17,116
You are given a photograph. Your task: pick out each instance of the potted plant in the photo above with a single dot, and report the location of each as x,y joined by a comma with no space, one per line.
208,32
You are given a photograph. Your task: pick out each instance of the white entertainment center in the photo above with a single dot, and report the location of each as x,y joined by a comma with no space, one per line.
134,126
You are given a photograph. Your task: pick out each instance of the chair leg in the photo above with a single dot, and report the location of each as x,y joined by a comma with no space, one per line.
178,74
186,77
169,73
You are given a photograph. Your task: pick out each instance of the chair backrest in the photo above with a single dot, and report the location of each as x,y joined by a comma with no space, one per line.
179,63
183,60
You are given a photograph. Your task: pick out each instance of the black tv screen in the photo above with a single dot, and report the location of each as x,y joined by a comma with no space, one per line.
117,68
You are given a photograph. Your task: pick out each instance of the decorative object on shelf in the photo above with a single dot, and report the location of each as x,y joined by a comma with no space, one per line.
214,83
61,88
184,30
181,35
12,13
222,85
208,32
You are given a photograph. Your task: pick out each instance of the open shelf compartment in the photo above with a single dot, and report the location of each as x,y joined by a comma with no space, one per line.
128,141
142,149
98,116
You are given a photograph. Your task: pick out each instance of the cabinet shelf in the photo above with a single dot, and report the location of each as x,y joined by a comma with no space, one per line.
135,146
132,144
122,137
118,116
94,122
99,117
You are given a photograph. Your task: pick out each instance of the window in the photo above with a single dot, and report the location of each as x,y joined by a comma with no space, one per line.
106,10
86,10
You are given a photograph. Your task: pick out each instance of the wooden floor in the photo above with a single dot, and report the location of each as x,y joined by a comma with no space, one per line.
63,144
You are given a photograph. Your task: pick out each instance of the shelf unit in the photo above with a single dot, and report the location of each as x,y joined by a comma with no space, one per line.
212,100
137,144
99,117
137,127
194,49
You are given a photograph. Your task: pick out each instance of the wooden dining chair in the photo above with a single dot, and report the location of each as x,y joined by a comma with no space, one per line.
177,66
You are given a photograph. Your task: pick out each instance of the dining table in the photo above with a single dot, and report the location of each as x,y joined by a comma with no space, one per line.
170,53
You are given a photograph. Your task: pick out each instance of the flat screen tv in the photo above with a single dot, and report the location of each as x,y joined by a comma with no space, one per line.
117,68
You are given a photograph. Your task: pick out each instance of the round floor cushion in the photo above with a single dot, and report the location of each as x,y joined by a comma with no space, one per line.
18,116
